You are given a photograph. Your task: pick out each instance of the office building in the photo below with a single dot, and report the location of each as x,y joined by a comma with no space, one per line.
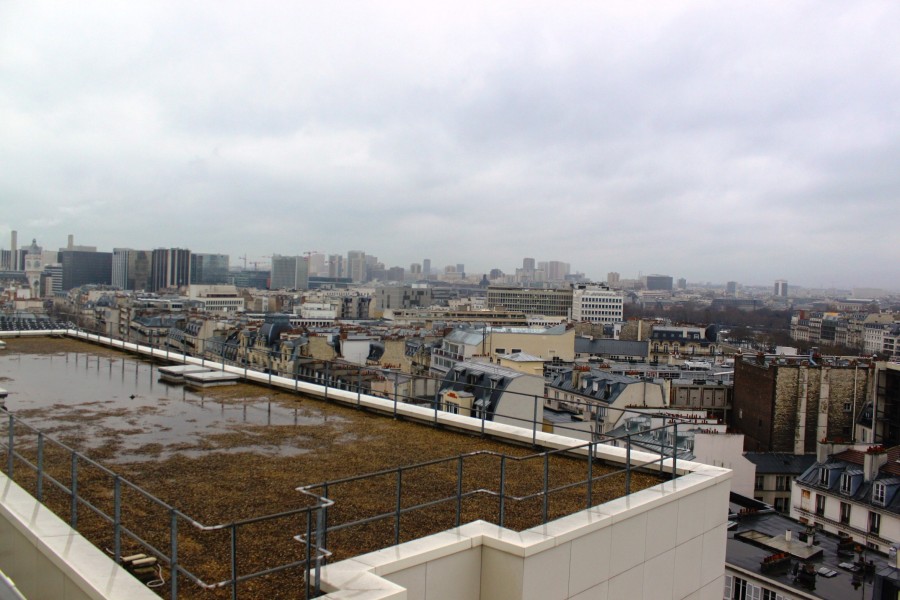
532,301
597,304
170,268
356,266
82,268
209,269
781,288
289,273
336,268
659,283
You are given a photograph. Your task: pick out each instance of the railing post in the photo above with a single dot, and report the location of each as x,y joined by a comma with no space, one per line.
324,539
662,453
358,387
10,434
234,582
74,508
326,380
173,554
675,450
502,490
627,464
320,535
399,506
459,489
40,467
546,503
308,567
534,424
396,391
117,518
590,477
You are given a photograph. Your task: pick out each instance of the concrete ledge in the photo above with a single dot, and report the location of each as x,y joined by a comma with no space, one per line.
46,558
692,508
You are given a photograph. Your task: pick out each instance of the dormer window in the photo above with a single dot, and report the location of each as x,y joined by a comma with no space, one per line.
823,476
878,493
846,483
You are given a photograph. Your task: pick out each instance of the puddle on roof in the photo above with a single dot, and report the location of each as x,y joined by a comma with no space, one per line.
98,400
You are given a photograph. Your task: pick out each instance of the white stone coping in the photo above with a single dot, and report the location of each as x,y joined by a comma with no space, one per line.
91,570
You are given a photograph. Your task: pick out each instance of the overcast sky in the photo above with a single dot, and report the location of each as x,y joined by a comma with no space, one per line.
715,141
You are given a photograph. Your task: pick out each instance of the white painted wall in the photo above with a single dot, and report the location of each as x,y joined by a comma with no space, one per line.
727,450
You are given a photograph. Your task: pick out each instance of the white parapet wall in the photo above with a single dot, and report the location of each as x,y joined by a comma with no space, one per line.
45,558
662,543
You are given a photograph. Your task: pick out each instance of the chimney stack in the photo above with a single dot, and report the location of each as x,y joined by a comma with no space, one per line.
874,458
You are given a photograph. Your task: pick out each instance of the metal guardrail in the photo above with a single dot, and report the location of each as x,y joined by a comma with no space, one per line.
36,458
346,376
400,508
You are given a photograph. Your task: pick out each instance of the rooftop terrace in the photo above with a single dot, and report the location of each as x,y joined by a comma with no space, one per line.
236,453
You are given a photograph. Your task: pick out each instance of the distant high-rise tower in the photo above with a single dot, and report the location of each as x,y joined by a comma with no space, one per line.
356,265
289,273
781,288
612,277
731,289
170,268
426,268
14,252
209,269
316,262
336,266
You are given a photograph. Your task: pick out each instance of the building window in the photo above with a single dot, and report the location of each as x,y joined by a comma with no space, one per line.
781,505
820,505
783,483
759,482
741,589
823,476
874,523
878,493
846,483
845,513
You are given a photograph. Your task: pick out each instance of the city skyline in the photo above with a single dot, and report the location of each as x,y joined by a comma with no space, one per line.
745,142
437,269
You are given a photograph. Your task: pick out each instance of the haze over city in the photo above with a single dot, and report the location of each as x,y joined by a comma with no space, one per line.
740,141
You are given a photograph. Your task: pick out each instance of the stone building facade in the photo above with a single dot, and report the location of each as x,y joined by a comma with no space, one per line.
788,404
